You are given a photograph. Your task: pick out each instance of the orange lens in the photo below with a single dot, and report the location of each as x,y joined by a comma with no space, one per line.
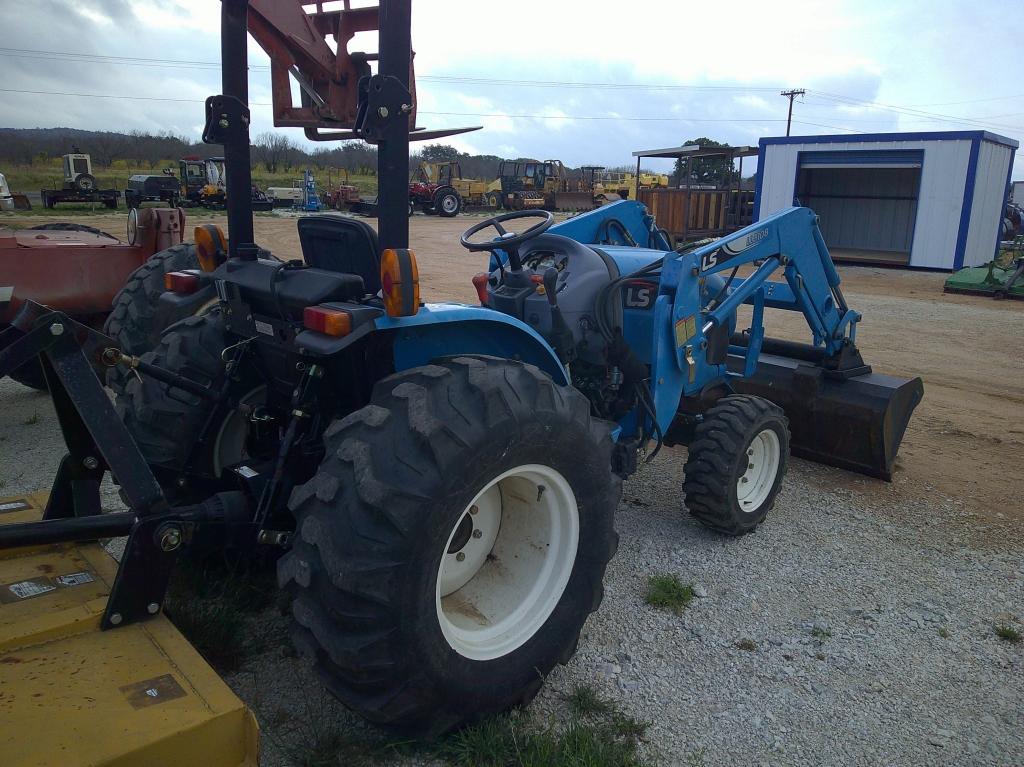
331,322
400,282
181,282
211,246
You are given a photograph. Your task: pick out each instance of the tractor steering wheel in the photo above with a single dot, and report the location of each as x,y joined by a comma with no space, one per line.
508,241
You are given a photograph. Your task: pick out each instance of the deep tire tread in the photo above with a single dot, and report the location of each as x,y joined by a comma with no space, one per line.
710,477
360,520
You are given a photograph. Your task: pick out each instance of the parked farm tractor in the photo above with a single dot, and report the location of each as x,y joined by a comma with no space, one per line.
440,480
438,187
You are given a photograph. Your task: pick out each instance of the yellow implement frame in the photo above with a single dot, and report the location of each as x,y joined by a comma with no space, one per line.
71,694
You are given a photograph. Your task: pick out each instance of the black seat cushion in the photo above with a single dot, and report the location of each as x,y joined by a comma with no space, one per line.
340,244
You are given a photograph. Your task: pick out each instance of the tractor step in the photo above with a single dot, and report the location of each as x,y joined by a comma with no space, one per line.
72,694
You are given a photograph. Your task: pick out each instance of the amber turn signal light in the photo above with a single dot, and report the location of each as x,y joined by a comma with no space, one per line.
181,282
400,282
211,246
331,322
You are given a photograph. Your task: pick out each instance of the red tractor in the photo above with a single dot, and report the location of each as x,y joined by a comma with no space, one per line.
431,190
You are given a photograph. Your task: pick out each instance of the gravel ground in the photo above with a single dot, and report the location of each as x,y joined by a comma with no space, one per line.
869,608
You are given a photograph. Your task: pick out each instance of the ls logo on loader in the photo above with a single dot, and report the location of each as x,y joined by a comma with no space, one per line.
730,249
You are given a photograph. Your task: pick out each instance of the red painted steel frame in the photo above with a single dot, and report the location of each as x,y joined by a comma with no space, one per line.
296,42
78,272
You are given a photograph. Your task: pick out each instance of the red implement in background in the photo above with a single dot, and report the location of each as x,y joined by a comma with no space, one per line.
76,270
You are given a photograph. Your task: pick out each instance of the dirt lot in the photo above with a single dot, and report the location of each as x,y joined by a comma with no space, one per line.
965,439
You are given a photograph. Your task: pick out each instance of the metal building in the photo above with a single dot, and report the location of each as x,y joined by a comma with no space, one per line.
927,200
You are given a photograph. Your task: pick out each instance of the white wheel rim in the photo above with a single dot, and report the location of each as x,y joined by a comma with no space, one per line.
513,574
229,446
449,204
763,458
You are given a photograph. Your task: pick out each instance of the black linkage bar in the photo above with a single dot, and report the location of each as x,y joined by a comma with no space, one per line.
65,530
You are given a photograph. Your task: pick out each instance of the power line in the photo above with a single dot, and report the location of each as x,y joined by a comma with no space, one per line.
913,111
425,112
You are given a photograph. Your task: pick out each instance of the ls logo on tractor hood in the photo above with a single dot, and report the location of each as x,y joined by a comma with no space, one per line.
730,249
640,294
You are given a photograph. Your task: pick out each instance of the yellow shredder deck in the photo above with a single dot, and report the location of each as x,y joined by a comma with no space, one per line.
71,694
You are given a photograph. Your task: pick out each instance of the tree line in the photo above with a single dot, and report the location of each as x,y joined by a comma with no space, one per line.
276,152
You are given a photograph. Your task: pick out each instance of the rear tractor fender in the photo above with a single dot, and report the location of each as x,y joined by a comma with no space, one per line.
446,330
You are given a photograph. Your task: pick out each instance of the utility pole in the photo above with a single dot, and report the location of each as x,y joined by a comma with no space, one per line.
791,94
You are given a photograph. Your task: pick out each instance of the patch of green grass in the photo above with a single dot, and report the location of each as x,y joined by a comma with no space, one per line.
668,593
510,741
746,644
212,605
1008,633
944,632
584,700
314,737
820,633
31,420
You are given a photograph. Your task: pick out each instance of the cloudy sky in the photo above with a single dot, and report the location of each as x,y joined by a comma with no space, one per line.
583,81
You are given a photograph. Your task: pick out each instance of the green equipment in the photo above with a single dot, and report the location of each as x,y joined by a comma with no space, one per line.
999,280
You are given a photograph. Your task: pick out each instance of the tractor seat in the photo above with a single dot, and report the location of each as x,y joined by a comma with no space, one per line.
339,244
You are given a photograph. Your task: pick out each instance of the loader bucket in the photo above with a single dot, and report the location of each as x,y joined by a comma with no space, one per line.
72,694
574,201
855,423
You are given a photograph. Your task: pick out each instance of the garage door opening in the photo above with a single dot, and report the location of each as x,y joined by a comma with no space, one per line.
866,201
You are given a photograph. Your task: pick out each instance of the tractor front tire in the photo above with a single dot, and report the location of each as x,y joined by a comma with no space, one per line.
453,542
134,322
736,463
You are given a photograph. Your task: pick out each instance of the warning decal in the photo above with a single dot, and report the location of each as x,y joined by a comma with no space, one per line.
34,587
74,579
19,505
686,328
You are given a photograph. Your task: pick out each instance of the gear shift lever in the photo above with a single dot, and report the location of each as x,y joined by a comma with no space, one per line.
561,336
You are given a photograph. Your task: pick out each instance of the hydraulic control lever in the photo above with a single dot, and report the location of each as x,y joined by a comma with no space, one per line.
561,336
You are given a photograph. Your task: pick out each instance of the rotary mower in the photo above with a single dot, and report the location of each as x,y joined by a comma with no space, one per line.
438,480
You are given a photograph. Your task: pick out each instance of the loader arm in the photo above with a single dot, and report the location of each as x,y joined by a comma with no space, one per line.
840,412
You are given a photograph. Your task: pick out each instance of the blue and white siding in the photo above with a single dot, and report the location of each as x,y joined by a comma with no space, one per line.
964,181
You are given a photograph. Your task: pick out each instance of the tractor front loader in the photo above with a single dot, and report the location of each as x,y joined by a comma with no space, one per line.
438,481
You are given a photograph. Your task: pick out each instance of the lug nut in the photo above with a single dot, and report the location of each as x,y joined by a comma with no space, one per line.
460,557
478,534
474,509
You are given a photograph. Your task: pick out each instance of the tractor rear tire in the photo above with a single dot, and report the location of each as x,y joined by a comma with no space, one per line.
475,479
165,421
133,320
447,203
736,463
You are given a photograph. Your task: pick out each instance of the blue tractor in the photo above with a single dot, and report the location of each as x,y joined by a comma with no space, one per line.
439,481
